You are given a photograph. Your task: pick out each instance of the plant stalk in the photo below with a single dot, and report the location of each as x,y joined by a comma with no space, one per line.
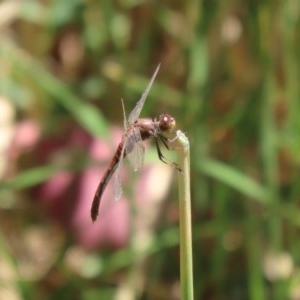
186,256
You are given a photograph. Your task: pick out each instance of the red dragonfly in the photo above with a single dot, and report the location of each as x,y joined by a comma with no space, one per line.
136,131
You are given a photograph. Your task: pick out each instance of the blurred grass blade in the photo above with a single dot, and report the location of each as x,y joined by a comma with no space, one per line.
86,114
235,179
30,178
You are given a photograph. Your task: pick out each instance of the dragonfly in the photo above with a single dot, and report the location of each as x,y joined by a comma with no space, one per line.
136,130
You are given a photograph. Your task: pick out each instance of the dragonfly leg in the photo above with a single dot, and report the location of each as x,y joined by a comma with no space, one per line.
167,142
161,156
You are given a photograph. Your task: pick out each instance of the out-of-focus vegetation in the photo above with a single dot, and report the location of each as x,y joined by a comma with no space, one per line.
229,74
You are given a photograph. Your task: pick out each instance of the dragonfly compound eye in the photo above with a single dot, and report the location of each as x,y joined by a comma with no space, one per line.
166,122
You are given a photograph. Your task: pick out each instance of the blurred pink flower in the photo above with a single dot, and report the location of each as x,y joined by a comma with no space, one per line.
111,227
67,197
27,134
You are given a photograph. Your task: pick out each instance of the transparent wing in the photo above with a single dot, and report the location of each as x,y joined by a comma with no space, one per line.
124,114
135,149
137,110
117,181
132,144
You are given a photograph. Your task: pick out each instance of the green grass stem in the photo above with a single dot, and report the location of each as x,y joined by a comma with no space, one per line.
186,255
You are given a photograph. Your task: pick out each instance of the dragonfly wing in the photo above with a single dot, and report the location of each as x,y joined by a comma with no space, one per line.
124,114
137,110
135,149
117,181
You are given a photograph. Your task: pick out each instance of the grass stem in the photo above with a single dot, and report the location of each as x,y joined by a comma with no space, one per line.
186,256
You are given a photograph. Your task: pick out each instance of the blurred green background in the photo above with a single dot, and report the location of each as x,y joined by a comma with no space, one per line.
230,76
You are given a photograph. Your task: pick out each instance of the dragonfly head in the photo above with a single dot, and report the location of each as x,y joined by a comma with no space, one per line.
166,122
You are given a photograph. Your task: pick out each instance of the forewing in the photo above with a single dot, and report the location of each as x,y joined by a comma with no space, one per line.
137,110
135,149
124,115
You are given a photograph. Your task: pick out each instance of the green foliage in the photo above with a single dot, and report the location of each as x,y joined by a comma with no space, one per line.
229,74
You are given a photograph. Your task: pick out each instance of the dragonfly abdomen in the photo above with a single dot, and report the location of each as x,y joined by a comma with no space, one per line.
105,179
